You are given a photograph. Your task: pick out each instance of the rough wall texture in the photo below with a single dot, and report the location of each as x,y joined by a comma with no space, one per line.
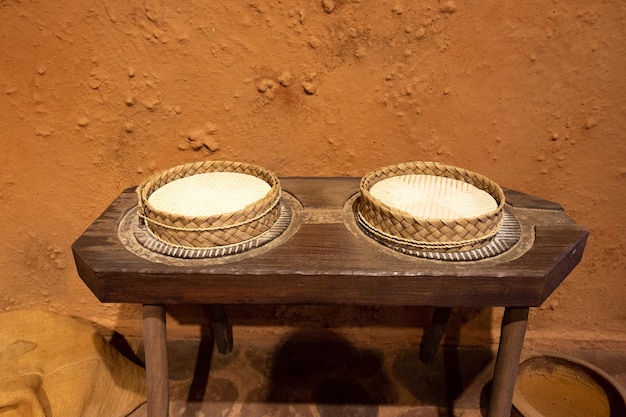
96,95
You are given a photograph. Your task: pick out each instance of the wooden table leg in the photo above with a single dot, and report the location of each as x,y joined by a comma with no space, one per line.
222,330
155,347
507,362
431,339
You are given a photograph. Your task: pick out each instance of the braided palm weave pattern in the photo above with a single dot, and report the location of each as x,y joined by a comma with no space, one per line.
394,223
219,230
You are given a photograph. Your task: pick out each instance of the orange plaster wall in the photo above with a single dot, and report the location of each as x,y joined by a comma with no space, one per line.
97,95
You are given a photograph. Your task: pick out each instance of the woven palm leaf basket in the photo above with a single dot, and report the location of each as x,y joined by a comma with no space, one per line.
430,206
209,203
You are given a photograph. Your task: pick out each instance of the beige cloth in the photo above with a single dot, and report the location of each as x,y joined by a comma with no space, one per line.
57,366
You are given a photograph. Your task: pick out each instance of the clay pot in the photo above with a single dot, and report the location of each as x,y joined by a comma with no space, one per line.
561,386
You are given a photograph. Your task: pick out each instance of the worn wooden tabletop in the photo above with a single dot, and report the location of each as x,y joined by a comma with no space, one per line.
324,258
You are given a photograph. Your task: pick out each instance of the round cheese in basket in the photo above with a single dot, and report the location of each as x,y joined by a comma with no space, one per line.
433,197
210,203
430,206
209,194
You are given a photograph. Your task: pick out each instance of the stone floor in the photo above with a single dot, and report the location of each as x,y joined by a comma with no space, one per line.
321,374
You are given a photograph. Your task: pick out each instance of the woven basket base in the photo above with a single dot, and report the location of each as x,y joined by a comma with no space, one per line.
508,235
151,242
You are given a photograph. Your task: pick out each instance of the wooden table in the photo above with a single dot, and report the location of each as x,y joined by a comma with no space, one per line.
324,258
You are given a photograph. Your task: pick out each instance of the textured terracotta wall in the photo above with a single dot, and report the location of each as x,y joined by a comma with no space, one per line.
97,95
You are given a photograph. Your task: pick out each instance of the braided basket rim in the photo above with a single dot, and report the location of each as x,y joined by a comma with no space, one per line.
418,168
159,179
